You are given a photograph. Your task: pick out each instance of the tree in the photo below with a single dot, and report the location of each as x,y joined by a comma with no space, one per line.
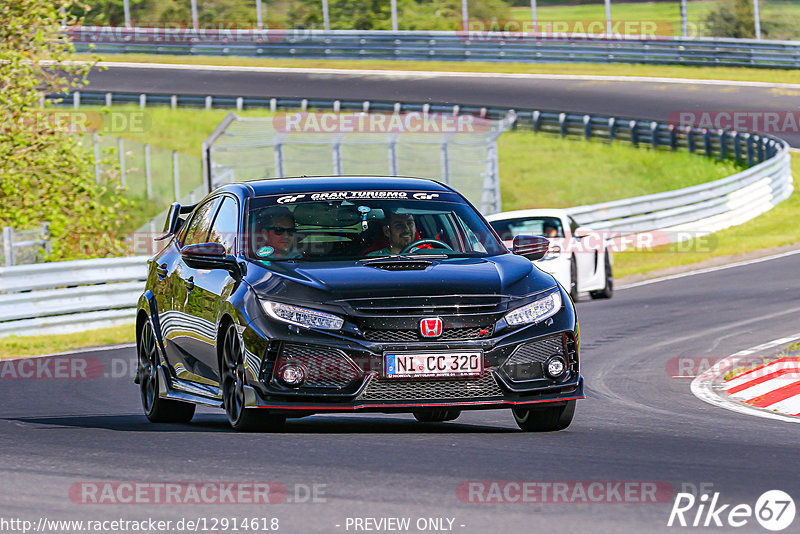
45,173
732,18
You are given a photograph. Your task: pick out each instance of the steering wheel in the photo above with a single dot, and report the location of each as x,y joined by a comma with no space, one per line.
432,243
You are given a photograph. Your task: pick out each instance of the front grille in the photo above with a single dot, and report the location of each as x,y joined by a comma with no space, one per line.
325,367
397,389
430,305
448,334
525,363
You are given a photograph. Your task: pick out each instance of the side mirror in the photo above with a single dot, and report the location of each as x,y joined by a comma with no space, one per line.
208,256
533,247
582,231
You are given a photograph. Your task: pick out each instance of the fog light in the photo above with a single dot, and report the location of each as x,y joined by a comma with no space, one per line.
555,367
292,374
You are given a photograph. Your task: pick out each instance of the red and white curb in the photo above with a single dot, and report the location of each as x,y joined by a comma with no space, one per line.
771,391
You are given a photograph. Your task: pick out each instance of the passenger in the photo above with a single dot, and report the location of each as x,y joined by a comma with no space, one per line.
401,230
550,230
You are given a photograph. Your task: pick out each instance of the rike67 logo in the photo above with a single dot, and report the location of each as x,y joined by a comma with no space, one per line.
774,510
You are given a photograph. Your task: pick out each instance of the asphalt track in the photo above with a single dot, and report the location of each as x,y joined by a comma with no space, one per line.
637,424
638,99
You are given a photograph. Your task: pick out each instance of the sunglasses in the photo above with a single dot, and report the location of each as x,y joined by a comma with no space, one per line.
280,230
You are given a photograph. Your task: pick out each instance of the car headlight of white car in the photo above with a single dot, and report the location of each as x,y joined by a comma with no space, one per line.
536,311
304,317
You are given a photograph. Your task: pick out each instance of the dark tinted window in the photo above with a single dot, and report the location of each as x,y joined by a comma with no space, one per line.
226,225
200,223
543,226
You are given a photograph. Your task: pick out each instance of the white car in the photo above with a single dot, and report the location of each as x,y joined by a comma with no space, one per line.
578,258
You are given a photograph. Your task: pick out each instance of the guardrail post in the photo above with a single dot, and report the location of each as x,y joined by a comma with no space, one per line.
304,104
273,105
654,134
176,187
365,106
426,108
209,100
737,146
537,121
634,126
96,147
750,152
336,150
108,100
8,245
612,129
562,123
76,99
337,105
690,139
587,127
121,149
673,137
393,156
148,177
143,100
760,146
173,101
239,103
723,144
707,142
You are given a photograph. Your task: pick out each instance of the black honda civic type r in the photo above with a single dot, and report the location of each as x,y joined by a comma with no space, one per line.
291,297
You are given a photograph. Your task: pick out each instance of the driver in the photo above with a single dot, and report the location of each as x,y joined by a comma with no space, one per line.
401,231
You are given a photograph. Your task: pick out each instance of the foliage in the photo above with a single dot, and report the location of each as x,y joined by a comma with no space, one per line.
732,18
45,175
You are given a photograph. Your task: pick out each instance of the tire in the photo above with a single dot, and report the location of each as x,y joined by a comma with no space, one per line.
233,383
573,279
436,416
156,409
544,419
608,291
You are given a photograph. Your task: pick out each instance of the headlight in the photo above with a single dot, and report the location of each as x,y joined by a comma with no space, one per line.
302,316
535,311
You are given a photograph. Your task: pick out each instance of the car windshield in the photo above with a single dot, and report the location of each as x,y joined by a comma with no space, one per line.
543,226
366,225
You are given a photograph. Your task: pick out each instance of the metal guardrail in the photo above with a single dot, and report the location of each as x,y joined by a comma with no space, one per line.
69,296
35,240
101,292
439,46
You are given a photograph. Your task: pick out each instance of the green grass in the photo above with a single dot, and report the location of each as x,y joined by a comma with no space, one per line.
15,347
794,346
770,230
598,69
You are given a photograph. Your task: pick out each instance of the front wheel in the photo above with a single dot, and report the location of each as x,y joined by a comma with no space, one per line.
156,409
608,290
547,419
436,416
233,383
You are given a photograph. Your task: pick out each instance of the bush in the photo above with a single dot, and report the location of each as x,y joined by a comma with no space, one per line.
45,174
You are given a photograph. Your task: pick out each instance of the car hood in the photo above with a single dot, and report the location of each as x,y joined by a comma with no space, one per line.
506,274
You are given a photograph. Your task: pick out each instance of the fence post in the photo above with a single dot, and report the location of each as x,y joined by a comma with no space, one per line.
108,100
707,142
239,103
393,156
121,148
209,100
612,129
760,149
48,245
690,139
8,245
279,160
587,127
143,100
562,123
654,134
537,120
723,144
96,146
673,137
148,177
76,99
336,150
445,164
750,153
737,147
173,101
176,176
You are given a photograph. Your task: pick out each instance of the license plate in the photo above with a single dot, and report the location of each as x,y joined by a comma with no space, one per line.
433,364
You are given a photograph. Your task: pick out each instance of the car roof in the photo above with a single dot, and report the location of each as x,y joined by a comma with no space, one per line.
307,184
521,214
